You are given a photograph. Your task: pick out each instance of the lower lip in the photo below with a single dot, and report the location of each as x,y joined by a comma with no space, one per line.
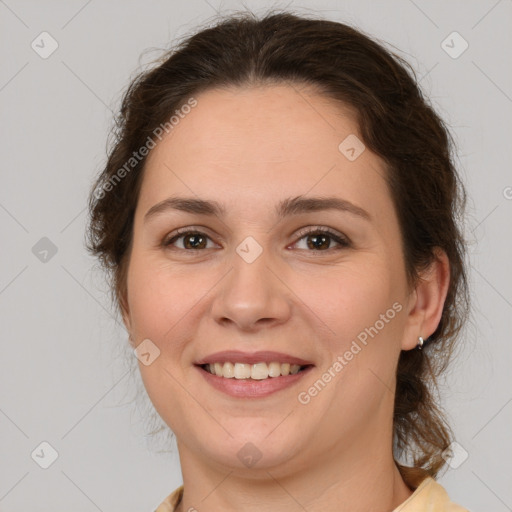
249,388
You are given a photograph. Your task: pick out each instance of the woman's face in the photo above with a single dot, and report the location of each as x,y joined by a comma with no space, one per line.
259,276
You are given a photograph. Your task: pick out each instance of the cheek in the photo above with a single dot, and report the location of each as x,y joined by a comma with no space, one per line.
349,299
159,296
363,310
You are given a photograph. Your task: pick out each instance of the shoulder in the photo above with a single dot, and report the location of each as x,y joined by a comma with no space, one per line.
170,503
429,496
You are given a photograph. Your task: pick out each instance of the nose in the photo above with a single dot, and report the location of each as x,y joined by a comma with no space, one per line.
252,295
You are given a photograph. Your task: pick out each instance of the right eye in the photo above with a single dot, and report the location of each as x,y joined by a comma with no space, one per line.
191,240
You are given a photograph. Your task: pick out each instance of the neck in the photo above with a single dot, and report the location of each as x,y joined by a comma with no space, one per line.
343,481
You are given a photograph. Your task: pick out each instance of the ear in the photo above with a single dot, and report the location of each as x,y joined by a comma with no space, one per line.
426,302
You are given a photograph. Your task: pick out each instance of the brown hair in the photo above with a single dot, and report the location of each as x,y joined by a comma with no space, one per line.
396,122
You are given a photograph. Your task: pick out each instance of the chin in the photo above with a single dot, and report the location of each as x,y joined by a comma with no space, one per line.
254,446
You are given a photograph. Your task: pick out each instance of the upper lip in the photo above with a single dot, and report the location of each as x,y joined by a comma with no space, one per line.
265,356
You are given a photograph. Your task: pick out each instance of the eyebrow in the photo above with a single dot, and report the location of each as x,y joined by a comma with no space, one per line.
287,207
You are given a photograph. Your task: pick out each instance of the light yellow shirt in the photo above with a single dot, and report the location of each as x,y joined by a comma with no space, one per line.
429,496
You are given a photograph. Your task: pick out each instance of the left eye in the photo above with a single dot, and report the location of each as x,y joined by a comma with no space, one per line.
317,239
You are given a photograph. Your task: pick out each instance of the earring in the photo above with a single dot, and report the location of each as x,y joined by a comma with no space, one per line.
419,346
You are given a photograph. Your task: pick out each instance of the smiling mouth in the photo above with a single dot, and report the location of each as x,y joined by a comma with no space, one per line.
258,371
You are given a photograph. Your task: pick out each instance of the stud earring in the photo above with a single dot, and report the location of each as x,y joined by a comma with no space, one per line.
419,346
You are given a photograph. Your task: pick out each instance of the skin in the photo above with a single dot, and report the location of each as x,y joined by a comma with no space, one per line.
249,148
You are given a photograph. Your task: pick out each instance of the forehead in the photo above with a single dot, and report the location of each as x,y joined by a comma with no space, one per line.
264,123
266,142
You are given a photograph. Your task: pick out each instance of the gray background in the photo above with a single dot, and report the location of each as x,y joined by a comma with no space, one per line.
65,376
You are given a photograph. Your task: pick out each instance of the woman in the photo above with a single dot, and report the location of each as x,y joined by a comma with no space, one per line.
279,217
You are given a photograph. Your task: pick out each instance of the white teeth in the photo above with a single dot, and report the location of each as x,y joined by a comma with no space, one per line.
274,370
242,371
258,371
228,371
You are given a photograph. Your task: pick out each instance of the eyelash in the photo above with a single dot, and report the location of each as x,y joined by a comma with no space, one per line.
341,240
